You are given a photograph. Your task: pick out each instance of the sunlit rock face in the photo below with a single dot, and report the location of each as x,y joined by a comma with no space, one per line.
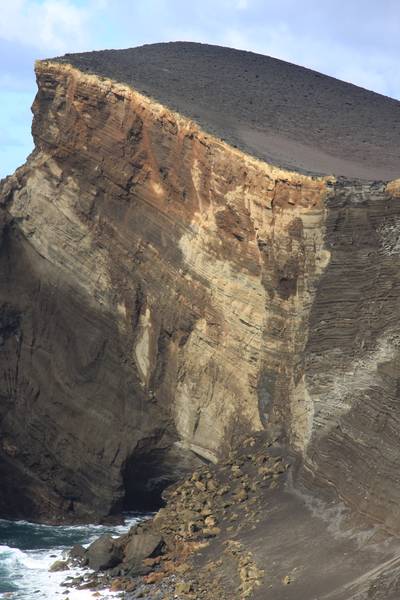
163,293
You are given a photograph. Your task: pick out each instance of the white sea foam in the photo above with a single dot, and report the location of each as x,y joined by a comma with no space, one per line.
25,572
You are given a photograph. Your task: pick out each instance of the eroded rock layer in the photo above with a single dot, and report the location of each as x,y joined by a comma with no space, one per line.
155,283
163,293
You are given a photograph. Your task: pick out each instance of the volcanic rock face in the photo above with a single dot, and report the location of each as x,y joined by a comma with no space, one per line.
162,293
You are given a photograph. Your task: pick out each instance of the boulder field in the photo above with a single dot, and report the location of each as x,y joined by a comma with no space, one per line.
203,249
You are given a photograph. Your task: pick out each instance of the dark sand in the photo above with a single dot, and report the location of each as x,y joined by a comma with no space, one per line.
287,115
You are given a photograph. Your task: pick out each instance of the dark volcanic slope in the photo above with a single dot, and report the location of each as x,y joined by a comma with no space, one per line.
285,114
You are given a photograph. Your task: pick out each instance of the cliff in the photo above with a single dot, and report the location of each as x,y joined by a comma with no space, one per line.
148,295
164,293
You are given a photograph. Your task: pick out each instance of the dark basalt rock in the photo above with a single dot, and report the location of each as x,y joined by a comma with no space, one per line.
77,556
104,553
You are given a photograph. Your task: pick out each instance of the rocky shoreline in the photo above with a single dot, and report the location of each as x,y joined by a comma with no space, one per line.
207,514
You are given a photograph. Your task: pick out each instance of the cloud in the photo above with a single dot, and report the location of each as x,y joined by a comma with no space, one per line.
50,25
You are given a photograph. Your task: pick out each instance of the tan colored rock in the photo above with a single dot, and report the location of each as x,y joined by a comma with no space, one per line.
200,486
241,495
211,521
211,486
183,587
59,565
210,532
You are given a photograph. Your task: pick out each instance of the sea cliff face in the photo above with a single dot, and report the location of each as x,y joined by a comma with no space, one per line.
162,294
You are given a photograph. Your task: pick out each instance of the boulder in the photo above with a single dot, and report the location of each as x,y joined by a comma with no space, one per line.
77,556
183,587
104,553
142,545
59,565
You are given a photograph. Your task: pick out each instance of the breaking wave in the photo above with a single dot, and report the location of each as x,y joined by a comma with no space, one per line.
27,550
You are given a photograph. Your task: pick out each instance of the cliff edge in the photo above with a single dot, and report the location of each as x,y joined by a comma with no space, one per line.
284,114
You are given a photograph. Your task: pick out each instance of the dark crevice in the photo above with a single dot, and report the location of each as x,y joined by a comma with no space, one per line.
145,477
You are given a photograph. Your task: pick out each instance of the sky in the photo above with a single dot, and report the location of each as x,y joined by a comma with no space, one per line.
354,40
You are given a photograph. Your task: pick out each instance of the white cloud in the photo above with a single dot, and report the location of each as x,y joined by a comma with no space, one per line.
51,25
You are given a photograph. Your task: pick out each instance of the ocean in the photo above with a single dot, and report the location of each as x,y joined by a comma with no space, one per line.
27,550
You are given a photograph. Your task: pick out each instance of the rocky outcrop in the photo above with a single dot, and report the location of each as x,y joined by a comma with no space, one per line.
163,293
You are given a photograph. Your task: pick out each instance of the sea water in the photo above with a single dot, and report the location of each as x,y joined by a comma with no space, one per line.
27,550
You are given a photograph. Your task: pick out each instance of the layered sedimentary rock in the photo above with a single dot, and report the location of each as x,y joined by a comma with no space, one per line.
163,292
279,112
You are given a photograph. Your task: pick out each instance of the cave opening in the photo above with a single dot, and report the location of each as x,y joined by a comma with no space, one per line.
145,477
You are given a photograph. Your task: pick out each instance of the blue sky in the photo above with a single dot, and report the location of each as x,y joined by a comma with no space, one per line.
354,40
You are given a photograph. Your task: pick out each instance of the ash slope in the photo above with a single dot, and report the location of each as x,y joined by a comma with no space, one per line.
279,112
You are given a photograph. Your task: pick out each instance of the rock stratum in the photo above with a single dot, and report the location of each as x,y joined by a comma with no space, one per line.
182,269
